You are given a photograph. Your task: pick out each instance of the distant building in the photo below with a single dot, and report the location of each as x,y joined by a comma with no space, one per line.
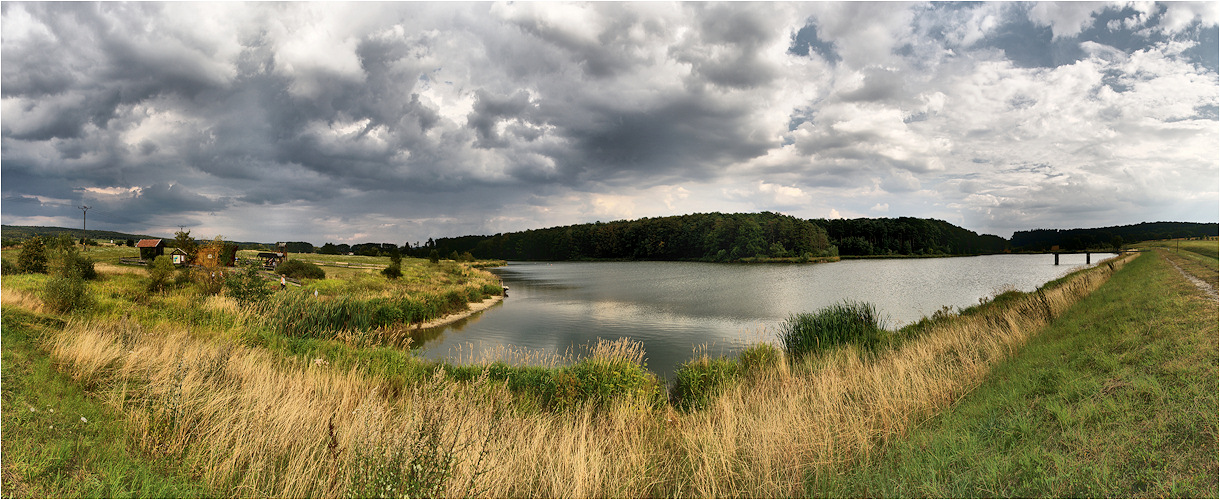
271,259
150,249
213,255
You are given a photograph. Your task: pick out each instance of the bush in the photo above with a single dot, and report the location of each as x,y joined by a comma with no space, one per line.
159,271
66,291
7,267
33,256
70,258
845,323
300,269
394,271
248,286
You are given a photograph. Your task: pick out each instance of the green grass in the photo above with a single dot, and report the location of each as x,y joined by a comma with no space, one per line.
1117,398
833,326
1206,248
61,443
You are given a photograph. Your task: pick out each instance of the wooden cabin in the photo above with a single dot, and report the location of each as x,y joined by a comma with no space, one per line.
178,255
150,249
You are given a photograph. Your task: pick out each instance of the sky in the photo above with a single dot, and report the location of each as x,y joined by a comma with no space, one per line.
403,121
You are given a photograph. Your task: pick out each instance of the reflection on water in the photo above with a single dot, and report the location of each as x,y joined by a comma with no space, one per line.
674,308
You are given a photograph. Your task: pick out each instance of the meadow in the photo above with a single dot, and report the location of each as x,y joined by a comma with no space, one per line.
213,398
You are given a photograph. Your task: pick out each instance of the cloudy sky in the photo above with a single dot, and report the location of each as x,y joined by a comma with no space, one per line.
356,122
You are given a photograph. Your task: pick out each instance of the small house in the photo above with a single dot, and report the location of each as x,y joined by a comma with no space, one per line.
150,249
178,255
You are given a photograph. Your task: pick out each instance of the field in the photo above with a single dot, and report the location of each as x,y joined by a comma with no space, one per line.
206,396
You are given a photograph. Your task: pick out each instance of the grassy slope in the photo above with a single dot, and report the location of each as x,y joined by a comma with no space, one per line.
1118,398
60,442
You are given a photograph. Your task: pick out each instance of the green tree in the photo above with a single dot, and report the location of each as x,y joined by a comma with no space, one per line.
329,249
184,242
33,256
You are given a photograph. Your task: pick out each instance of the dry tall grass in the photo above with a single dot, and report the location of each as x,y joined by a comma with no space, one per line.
256,425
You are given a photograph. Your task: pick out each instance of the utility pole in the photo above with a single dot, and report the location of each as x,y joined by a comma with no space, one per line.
83,223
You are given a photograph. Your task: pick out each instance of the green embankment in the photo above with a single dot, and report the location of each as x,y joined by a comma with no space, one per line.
1117,398
60,442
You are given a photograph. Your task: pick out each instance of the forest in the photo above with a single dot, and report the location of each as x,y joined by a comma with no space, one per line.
1110,237
907,236
713,237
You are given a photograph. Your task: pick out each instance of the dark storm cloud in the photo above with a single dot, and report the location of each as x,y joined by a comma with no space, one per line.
678,139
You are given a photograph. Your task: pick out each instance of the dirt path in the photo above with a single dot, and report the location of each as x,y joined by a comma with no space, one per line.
1202,285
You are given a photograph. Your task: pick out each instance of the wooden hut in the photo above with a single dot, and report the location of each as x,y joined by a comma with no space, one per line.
150,249
271,259
178,255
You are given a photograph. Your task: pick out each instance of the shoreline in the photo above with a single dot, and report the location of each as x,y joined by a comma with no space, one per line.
472,309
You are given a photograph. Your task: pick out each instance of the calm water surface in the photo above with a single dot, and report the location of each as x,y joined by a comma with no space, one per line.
675,307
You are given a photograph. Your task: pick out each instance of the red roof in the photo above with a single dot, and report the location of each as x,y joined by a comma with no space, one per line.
148,243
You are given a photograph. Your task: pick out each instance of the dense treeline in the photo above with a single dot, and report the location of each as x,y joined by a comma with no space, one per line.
13,235
709,237
1110,237
907,236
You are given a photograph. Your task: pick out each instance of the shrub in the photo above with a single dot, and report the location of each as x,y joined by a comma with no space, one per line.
66,291
300,269
70,258
33,256
844,323
7,267
159,271
699,381
394,271
247,286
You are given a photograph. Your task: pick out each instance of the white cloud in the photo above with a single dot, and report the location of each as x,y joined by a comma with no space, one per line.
1066,19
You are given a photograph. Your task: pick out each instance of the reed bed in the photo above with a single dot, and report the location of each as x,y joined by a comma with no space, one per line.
255,424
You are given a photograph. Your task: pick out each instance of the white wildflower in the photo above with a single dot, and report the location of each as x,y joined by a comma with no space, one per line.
82,419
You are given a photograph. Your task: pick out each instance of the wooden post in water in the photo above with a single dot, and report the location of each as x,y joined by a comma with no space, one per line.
1088,258
1056,258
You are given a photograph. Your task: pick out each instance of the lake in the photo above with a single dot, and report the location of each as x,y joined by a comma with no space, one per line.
675,307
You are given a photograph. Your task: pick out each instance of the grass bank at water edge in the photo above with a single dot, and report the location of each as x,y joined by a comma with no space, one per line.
1117,398
250,418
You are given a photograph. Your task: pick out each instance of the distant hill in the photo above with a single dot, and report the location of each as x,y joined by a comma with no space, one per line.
1108,237
20,233
14,234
